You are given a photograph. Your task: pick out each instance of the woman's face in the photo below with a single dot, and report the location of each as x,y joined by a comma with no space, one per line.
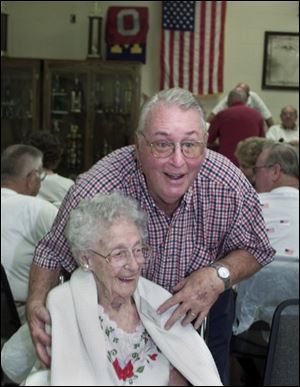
116,282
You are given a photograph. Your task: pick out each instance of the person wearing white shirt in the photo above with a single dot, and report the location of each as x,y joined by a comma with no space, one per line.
54,187
288,130
25,219
277,182
253,101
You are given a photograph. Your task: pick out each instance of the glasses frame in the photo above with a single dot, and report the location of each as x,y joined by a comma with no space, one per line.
255,168
152,144
41,174
130,251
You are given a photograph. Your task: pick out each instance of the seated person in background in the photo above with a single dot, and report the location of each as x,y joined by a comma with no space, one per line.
247,152
253,101
288,130
104,319
55,186
234,124
277,181
25,219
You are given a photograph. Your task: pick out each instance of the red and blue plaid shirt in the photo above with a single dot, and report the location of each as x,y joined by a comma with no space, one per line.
219,213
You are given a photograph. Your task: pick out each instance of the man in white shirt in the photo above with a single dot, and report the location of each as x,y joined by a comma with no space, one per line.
253,101
288,130
25,219
277,182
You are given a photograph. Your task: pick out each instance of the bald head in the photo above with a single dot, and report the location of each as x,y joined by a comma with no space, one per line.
236,96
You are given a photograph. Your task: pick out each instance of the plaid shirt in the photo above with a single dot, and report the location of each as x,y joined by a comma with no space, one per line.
219,213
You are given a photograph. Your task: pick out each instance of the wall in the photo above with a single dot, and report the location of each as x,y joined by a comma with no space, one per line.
42,29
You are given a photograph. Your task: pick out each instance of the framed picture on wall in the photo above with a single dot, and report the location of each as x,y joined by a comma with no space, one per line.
281,61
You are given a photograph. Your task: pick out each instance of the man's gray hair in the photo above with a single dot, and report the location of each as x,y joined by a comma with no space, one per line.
18,160
92,217
171,97
286,156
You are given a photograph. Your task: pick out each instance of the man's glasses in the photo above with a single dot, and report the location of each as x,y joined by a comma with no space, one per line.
41,174
256,168
120,257
191,149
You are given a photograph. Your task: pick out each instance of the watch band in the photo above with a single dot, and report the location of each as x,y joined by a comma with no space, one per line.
225,279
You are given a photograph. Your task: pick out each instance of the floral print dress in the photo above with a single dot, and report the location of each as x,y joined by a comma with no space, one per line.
134,357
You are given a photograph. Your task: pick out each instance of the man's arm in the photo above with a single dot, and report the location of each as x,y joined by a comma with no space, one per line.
199,291
41,281
269,122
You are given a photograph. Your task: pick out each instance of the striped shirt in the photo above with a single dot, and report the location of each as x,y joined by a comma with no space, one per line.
218,214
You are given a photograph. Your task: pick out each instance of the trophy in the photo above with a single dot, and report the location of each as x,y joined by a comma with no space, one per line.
76,97
95,23
4,21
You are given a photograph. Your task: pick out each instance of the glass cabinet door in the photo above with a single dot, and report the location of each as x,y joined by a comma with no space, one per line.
115,92
66,113
20,96
92,106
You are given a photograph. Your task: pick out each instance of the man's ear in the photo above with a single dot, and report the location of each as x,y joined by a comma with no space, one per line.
276,172
30,183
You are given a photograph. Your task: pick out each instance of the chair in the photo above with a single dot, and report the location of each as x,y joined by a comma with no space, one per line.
282,365
10,321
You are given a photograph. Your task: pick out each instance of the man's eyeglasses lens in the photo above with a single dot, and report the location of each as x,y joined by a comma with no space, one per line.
190,149
255,169
42,175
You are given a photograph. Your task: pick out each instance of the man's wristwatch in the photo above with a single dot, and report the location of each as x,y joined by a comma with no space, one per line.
223,273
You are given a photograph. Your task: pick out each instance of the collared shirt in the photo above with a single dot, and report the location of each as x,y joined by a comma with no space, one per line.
24,221
280,209
278,132
219,213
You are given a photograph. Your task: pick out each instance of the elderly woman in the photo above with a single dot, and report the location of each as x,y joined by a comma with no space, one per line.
105,330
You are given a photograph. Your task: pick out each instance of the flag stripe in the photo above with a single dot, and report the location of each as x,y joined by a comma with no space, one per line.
192,52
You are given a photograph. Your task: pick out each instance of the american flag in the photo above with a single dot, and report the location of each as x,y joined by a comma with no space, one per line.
192,47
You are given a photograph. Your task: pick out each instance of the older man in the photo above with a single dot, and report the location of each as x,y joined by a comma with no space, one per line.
253,101
201,209
277,181
288,129
25,219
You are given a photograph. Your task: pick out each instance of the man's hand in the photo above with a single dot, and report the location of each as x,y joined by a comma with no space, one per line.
40,282
38,317
195,295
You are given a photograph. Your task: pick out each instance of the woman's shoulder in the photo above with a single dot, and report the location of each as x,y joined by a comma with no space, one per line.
60,296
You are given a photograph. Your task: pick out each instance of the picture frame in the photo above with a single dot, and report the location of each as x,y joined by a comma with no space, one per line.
281,61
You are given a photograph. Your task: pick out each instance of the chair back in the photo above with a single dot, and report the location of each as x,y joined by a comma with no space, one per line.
10,321
282,365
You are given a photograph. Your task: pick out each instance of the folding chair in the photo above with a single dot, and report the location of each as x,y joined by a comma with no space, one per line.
10,321
282,365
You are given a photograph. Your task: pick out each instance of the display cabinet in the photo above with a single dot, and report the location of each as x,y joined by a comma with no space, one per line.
20,98
92,106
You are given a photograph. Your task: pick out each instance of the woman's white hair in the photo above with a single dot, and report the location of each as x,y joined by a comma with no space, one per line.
176,96
92,217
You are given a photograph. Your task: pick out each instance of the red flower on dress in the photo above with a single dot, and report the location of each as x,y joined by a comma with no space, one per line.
123,373
153,357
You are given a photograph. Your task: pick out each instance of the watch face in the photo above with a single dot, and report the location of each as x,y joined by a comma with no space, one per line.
223,272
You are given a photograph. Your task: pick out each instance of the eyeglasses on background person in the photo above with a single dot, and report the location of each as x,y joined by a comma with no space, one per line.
255,168
120,257
41,174
162,149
